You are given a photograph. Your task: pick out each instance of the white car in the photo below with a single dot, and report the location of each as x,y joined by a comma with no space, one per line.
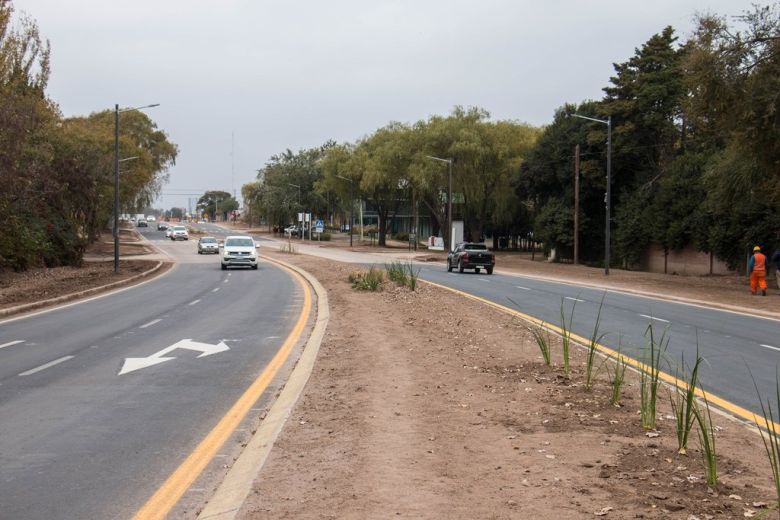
150,218
179,233
207,245
239,250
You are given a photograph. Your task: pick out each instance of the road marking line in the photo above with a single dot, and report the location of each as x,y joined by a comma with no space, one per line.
10,343
47,365
193,303
272,337
734,409
523,288
225,280
168,494
770,346
150,323
483,280
574,299
215,289
654,318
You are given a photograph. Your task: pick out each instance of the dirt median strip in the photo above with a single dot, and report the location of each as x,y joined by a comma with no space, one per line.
11,311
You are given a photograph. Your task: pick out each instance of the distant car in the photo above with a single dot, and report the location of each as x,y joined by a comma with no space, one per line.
291,231
142,223
150,218
468,255
239,250
168,232
207,245
179,233
162,226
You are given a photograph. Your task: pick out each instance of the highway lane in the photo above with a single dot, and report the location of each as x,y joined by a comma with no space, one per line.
734,345
78,440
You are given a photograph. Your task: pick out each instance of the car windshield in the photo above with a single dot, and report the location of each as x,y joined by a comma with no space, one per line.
476,247
239,242
208,240
179,228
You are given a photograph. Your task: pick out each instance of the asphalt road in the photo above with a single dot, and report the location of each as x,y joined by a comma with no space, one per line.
736,347
77,439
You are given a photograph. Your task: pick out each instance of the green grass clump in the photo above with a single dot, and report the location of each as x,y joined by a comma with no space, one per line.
566,335
288,247
616,378
403,274
542,337
771,436
684,405
649,378
707,442
370,280
595,339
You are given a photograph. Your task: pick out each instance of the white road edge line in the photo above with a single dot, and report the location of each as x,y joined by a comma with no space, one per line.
770,346
654,318
194,302
47,365
573,299
215,289
523,288
483,280
10,343
150,323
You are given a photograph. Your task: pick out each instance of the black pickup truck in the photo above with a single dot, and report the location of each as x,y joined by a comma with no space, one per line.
468,255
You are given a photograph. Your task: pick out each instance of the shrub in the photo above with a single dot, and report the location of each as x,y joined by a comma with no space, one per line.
402,236
325,237
370,280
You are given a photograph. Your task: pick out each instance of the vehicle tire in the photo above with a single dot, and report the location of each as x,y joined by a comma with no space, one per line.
200,253
224,267
254,267
460,266
449,266
476,270
489,270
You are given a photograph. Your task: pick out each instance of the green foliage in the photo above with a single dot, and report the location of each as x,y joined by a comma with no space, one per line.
566,335
769,431
707,442
684,405
402,236
325,237
370,280
542,337
649,377
595,339
616,378
403,274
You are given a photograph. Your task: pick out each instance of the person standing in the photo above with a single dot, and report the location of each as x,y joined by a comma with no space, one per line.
776,261
757,266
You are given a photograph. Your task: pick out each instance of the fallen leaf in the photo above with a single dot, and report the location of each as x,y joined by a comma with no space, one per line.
603,511
749,513
653,434
735,497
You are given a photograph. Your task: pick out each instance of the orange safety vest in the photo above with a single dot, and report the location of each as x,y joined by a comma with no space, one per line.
759,264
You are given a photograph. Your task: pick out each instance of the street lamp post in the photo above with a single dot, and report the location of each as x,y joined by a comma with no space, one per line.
448,232
608,195
116,178
351,205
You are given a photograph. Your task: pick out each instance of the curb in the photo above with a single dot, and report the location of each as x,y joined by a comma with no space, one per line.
227,500
77,295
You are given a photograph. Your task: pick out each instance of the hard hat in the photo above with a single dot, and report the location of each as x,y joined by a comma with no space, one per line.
756,248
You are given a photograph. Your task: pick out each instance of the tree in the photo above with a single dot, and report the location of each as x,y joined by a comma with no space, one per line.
217,203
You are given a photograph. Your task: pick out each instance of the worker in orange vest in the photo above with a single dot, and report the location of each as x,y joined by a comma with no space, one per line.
757,267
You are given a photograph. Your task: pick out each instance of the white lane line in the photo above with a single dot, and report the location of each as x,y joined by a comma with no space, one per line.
225,280
193,303
574,299
272,337
149,324
215,289
452,274
47,365
523,288
770,346
483,280
10,343
654,318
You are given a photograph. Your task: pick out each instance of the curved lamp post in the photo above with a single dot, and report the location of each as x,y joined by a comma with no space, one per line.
608,195
117,111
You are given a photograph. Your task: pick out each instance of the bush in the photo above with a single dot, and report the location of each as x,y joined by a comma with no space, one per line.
370,280
325,237
402,236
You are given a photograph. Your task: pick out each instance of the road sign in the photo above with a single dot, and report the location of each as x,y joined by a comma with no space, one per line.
206,349
319,226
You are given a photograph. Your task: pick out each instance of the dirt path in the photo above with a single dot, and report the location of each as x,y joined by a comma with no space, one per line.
423,405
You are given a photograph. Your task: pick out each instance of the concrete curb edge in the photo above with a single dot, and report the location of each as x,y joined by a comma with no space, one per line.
227,500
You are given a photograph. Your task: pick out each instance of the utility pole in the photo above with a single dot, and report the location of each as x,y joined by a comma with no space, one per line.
577,204
116,188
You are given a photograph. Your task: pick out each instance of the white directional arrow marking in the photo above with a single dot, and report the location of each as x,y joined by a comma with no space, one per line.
205,349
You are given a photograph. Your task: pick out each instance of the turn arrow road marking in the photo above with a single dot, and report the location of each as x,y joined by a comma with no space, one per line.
205,349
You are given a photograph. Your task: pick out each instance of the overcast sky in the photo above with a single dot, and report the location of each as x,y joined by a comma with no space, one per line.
281,75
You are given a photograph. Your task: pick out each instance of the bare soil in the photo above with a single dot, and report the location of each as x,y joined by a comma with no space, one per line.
403,417
37,284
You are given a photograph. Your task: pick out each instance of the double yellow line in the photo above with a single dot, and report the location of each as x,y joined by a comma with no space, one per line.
166,497
728,406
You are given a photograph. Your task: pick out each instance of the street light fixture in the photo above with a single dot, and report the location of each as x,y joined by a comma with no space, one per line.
448,232
352,205
116,177
608,195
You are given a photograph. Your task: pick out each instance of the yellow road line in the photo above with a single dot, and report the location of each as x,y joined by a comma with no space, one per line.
730,407
169,493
